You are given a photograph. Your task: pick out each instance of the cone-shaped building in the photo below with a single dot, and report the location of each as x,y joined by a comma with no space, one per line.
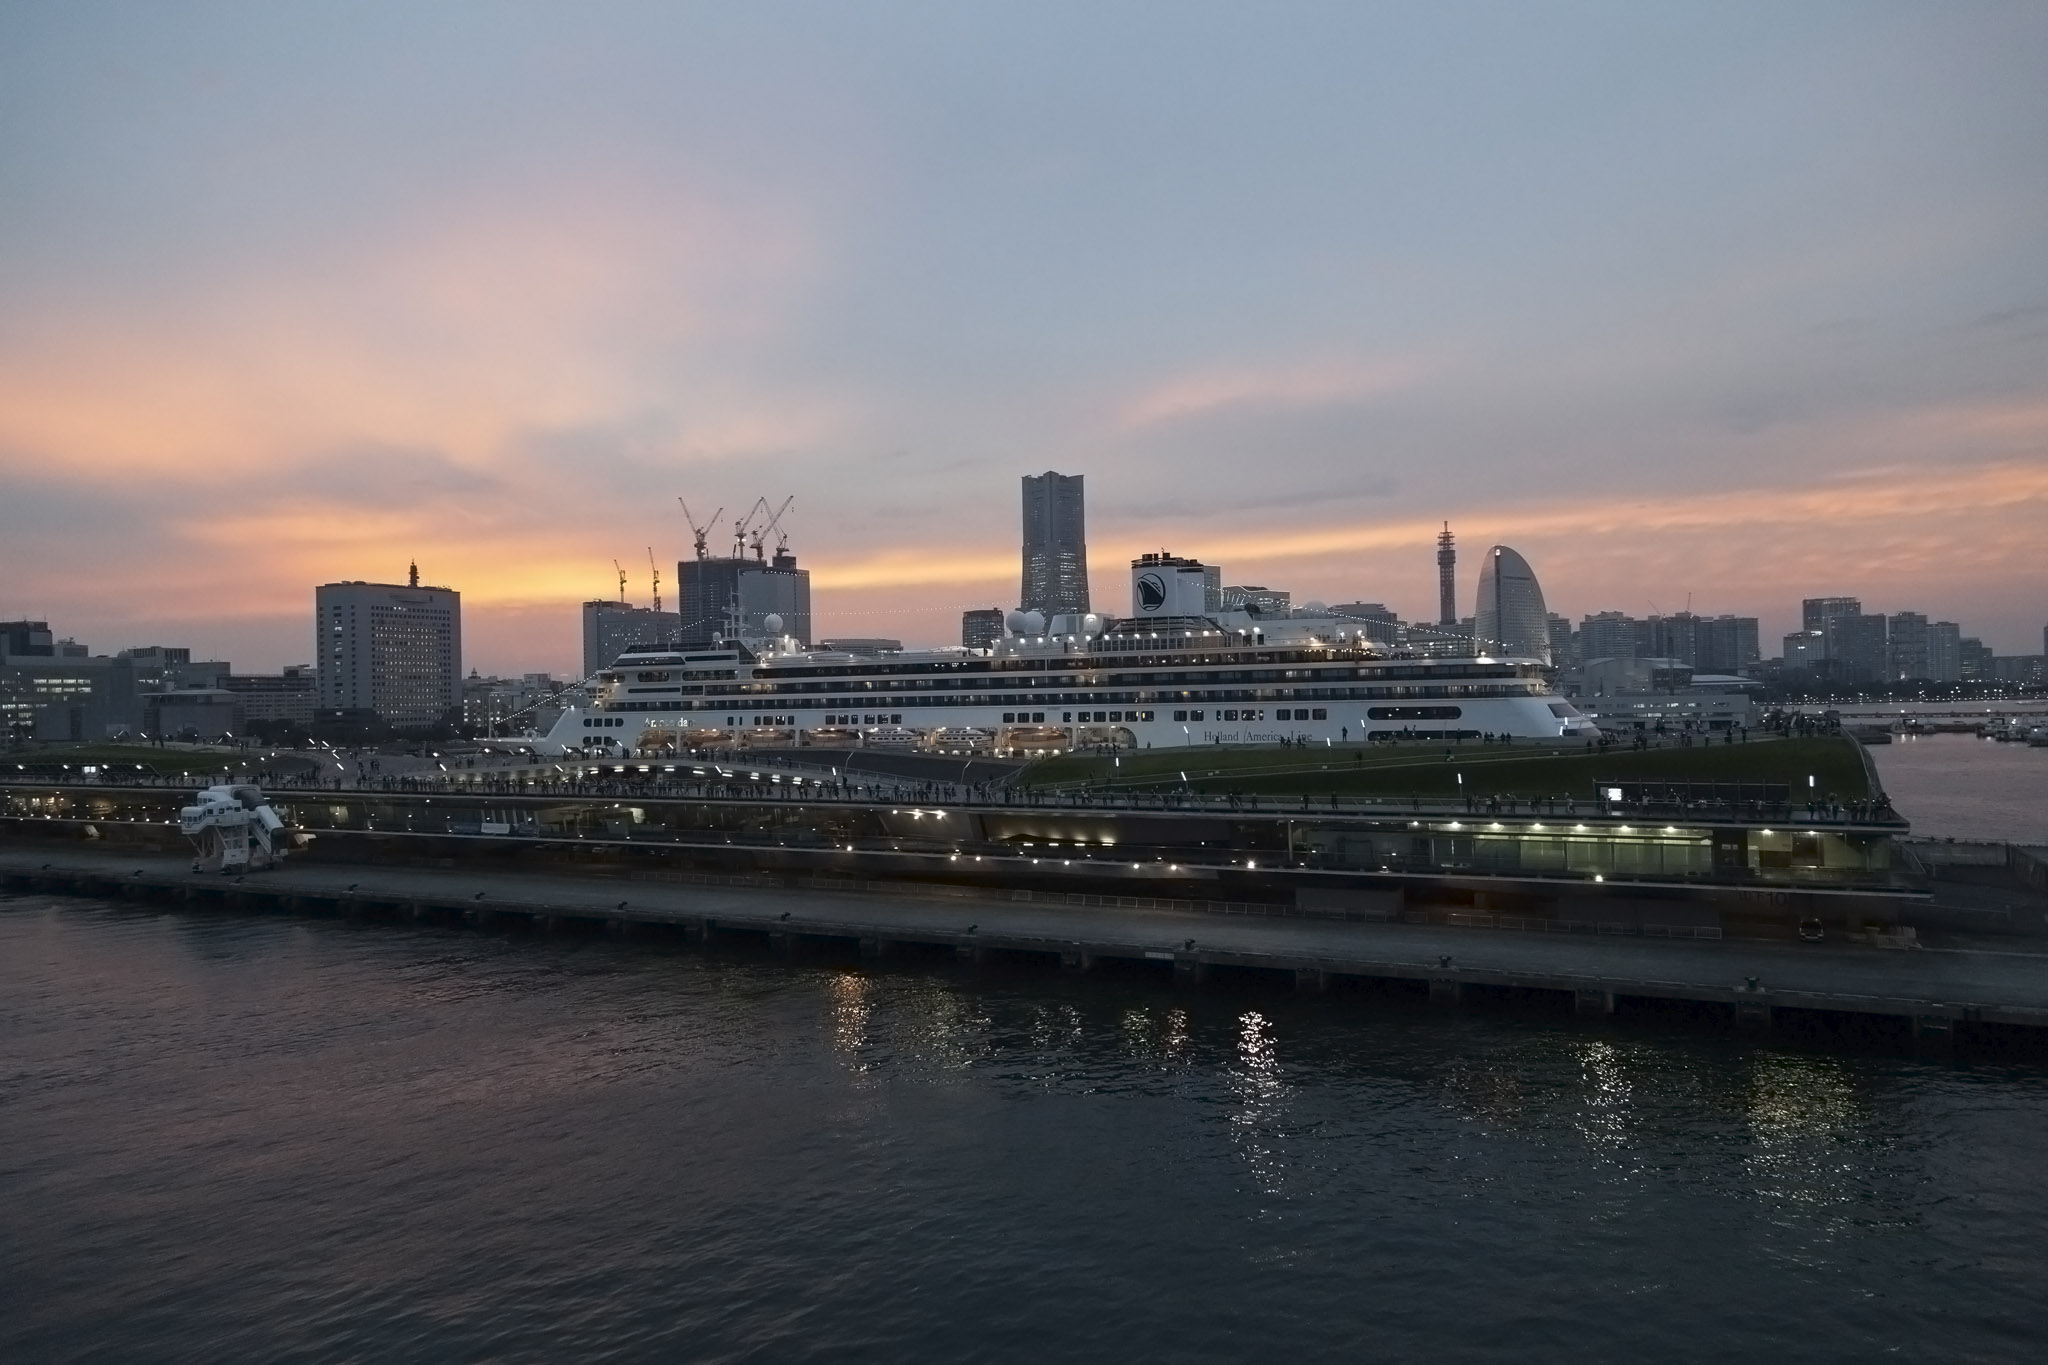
1510,619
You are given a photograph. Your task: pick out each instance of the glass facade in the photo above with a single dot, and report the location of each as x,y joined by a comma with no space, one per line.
1510,619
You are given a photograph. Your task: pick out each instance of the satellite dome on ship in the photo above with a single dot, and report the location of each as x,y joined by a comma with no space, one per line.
1510,619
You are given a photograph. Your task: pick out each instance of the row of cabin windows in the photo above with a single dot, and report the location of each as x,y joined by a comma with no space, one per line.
1244,694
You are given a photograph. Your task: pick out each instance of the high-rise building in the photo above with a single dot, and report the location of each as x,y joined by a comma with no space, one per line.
391,650
27,640
1905,650
1608,635
1855,647
981,627
1973,659
1564,644
777,588
1510,618
1212,589
1815,611
1676,636
1446,578
707,593
1806,652
708,590
1944,652
1055,545
612,628
1727,644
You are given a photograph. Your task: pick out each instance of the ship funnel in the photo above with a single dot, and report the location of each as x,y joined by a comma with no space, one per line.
1167,585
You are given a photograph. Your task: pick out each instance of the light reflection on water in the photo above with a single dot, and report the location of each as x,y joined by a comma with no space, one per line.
1261,1093
310,1140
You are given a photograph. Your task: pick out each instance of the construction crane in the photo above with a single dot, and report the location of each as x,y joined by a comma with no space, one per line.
701,533
740,528
774,523
656,569
622,581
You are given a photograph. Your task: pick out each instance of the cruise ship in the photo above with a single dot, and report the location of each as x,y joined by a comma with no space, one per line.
1171,674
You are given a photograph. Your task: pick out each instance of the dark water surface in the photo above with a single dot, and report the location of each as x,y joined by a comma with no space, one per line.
1963,787
239,1138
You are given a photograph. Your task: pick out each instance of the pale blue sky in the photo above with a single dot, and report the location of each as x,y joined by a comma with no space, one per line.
1737,301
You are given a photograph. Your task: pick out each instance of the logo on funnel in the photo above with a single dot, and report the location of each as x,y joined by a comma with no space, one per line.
1151,592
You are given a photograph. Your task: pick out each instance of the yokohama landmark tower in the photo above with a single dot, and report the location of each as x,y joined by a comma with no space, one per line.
1055,545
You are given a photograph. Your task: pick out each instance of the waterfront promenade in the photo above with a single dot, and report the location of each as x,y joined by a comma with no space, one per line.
1924,993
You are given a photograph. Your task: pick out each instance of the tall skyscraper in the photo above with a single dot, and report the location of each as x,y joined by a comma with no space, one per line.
1446,578
1815,611
1944,652
1055,545
1608,635
1855,646
1563,647
1727,644
392,649
1510,619
1906,647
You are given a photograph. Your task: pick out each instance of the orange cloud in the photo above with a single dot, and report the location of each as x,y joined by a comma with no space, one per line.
457,336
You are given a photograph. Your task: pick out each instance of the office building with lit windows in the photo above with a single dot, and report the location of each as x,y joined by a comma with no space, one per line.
390,650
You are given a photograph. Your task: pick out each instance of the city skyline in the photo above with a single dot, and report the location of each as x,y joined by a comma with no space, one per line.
1764,320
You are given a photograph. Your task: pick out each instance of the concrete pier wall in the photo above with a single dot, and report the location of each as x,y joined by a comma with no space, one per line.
1933,996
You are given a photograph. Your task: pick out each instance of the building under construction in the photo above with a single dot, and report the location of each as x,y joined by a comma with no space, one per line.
750,584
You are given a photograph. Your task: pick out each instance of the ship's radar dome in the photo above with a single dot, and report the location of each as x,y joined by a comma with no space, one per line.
772,623
1031,623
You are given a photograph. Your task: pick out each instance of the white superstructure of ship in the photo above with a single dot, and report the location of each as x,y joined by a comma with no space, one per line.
1172,674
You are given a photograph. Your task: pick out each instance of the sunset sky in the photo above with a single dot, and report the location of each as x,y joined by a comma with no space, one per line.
1724,303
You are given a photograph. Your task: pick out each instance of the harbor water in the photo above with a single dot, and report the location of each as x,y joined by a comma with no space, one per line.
1956,786
231,1137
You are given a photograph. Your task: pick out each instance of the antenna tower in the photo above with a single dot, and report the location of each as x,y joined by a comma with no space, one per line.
1447,577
